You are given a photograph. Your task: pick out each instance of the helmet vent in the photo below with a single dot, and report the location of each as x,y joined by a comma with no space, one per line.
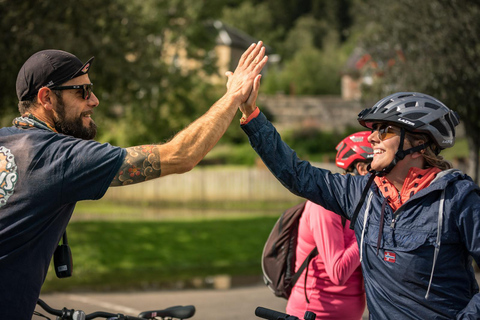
341,147
404,96
410,104
449,121
384,105
393,110
432,106
415,115
439,126
367,150
348,154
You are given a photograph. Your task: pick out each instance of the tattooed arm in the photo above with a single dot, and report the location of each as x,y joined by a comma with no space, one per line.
190,145
141,163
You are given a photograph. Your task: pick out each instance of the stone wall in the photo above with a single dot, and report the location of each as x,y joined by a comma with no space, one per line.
328,113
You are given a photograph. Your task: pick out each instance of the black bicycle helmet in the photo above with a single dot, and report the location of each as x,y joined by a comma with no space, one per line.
416,112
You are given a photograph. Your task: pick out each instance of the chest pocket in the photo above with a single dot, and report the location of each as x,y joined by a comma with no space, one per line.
402,240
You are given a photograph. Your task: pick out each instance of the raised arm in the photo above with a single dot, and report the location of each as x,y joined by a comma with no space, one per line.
189,146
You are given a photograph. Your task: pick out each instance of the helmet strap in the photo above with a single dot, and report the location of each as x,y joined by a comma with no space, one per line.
401,154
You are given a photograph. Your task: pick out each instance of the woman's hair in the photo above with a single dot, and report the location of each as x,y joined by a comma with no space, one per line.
431,154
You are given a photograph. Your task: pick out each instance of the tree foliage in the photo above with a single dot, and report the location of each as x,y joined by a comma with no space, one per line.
431,47
310,36
144,96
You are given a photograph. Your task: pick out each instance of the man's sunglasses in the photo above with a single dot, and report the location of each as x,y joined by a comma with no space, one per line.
86,89
385,132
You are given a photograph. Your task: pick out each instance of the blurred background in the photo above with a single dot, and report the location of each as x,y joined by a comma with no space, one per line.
159,64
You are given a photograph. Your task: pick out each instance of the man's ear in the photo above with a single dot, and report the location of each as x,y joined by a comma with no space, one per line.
361,168
45,98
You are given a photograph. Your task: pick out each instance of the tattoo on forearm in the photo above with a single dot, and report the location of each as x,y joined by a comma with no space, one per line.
141,163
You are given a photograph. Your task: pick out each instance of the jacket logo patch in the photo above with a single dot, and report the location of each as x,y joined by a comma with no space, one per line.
8,175
389,256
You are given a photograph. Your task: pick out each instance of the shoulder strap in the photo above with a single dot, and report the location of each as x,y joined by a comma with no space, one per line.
304,265
353,220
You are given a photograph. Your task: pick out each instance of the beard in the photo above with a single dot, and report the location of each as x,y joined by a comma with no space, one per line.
73,127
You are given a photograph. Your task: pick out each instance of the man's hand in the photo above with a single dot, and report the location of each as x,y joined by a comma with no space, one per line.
191,144
251,104
251,63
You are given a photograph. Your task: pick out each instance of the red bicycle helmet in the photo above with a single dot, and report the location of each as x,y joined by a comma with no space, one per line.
353,148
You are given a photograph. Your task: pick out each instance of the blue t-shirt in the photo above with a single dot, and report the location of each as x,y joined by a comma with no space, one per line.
42,176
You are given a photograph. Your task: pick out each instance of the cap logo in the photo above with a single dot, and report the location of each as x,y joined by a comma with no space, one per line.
85,69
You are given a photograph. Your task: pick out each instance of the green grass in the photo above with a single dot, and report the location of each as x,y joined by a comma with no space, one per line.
110,255
219,209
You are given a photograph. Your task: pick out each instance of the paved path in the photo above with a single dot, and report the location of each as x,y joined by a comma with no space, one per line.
231,304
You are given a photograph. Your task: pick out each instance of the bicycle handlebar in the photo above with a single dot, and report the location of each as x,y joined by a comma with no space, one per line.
179,312
273,315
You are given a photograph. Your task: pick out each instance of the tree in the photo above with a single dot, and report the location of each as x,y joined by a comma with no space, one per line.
140,88
431,47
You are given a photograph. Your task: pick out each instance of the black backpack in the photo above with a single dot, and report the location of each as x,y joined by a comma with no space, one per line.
279,253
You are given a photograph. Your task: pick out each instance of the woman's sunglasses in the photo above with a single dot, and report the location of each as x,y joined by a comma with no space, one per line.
86,89
385,132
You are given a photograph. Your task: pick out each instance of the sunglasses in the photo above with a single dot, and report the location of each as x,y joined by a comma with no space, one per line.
385,132
86,89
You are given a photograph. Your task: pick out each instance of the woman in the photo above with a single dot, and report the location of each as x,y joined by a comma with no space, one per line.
334,285
416,220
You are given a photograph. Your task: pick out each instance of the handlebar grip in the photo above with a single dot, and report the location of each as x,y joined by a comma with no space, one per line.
272,314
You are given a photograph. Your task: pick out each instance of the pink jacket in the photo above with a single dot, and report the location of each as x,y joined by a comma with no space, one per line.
334,283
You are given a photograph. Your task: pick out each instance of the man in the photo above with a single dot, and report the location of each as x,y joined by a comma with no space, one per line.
48,162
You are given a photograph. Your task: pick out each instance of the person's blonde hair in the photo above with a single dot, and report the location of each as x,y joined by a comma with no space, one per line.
431,153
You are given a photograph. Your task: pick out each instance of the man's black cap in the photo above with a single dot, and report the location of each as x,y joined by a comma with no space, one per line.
48,68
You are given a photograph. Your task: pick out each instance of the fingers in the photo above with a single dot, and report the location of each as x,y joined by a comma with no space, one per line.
261,64
252,98
229,75
256,54
256,83
247,53
251,53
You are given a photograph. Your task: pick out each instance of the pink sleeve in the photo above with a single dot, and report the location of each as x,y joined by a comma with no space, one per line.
337,246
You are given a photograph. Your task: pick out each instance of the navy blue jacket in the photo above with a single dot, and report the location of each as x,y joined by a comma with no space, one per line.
406,279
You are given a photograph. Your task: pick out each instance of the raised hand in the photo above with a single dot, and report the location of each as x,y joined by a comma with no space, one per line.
250,105
240,82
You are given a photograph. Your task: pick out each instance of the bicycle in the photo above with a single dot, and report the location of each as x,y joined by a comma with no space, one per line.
175,312
270,314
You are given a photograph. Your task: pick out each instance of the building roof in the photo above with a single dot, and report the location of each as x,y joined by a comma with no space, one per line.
234,38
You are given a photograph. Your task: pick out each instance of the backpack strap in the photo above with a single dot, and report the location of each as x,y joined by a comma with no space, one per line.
304,265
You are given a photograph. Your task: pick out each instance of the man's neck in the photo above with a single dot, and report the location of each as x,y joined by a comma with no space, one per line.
41,115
